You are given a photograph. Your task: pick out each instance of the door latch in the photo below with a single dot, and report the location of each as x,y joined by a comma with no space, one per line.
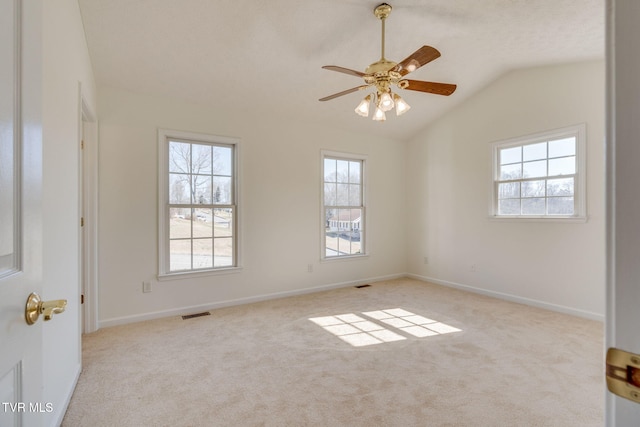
623,374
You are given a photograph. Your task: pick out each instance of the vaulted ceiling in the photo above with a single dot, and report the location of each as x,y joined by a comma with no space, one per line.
265,57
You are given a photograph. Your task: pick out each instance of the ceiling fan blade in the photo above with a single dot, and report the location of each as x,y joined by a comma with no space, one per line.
431,87
344,70
344,92
417,59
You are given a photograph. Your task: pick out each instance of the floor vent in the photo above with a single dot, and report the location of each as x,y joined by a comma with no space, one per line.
362,286
191,316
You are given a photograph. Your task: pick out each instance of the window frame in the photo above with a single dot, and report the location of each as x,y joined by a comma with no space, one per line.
364,238
580,202
164,138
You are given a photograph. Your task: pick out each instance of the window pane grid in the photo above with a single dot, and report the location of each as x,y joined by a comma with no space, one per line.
343,207
537,206
208,243
537,178
201,226
552,196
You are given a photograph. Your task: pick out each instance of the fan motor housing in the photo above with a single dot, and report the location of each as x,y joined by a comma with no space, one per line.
382,66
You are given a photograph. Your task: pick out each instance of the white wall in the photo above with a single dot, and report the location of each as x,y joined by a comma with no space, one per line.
552,264
280,211
65,63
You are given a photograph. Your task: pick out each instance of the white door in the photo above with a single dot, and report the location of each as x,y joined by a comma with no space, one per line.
623,199
21,349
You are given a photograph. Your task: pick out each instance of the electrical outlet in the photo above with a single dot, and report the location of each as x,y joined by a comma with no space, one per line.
472,267
425,260
310,268
146,287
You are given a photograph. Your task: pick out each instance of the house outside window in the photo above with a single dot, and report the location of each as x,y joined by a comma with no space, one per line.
540,176
343,208
198,203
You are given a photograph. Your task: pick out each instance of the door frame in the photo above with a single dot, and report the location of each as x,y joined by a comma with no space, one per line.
623,210
88,210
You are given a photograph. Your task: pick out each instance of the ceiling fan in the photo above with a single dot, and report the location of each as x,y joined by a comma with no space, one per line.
384,73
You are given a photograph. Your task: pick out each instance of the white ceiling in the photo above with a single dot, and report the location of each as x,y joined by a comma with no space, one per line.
267,55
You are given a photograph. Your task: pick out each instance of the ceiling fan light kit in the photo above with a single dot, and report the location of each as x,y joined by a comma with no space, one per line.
383,74
401,105
379,115
363,108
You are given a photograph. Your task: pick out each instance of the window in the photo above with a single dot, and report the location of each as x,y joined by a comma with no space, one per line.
540,176
198,203
343,211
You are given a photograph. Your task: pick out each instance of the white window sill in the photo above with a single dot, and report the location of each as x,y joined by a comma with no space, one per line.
523,218
200,273
344,258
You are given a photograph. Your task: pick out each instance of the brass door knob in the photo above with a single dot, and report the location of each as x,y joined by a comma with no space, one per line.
35,307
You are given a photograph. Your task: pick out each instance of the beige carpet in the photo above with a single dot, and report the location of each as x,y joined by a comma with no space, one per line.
398,353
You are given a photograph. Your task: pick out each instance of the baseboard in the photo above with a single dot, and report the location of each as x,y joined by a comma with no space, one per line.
239,301
513,298
179,311
67,399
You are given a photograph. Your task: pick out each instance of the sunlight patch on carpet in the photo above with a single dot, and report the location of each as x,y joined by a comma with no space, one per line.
360,332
